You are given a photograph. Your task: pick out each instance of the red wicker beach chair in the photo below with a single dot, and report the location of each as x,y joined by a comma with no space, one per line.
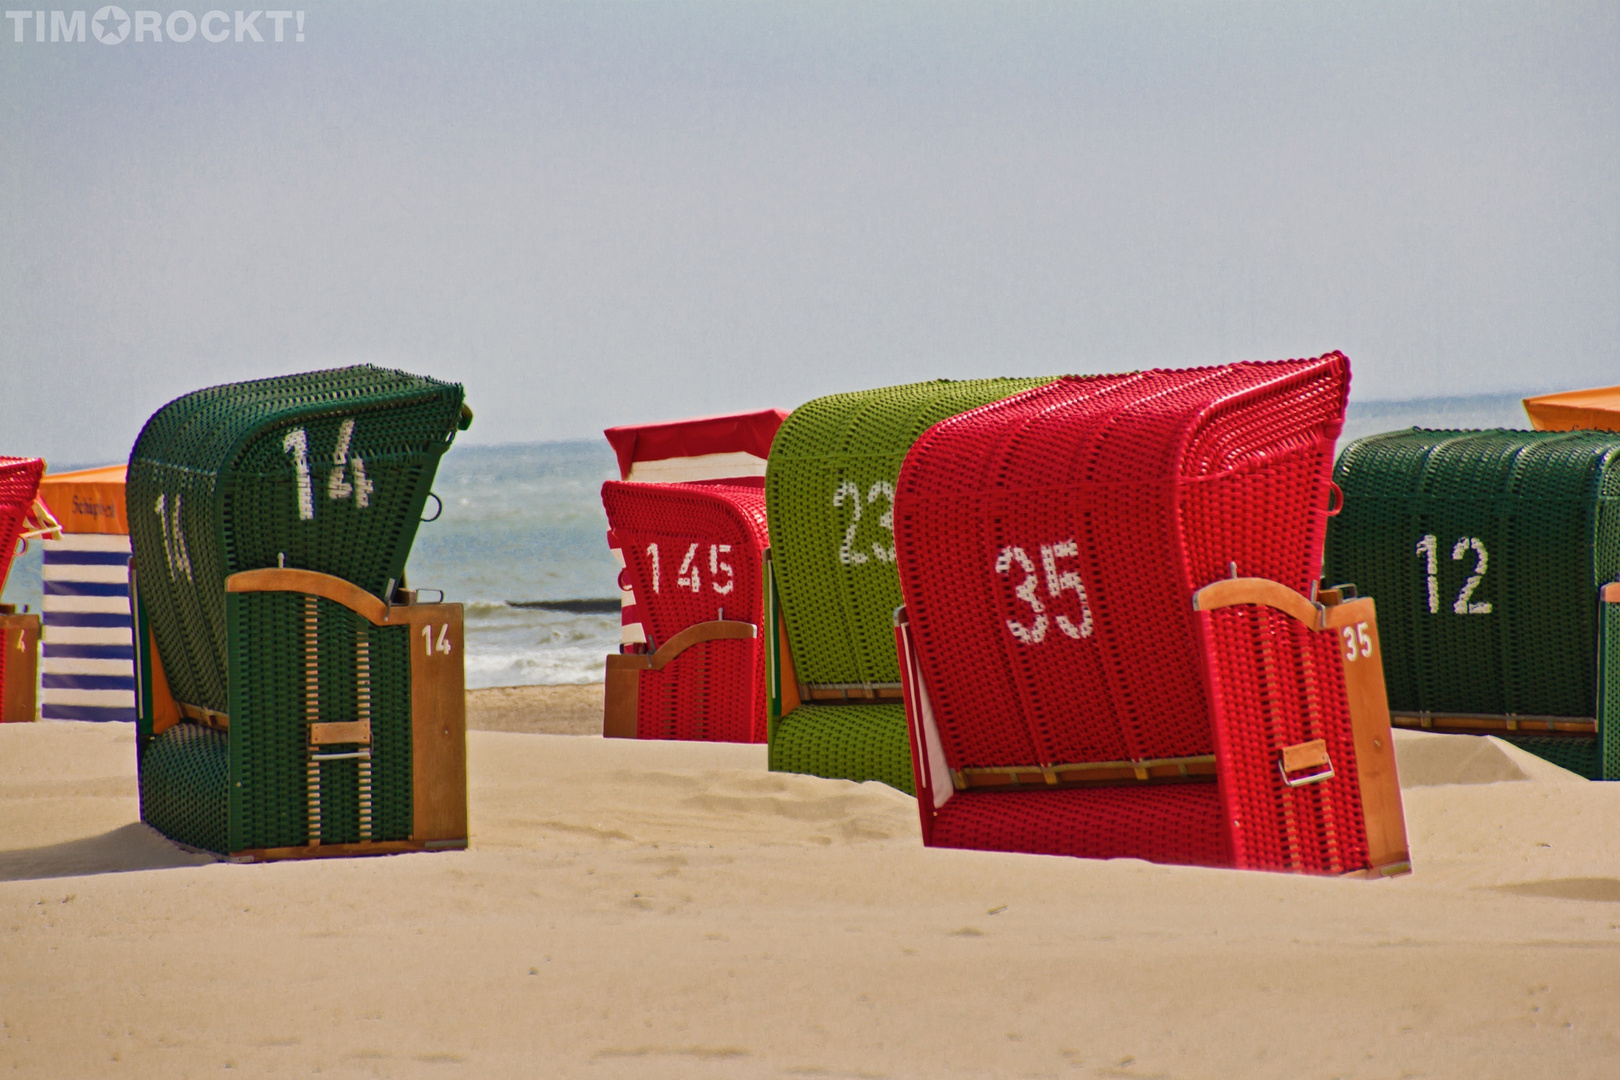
679,451
691,665
1108,649
22,516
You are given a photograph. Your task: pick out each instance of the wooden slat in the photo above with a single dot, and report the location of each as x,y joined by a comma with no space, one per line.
1251,590
209,718
696,634
1086,774
1305,755
342,851
789,674
855,693
621,695
332,732
311,583
19,636
438,720
1474,724
1382,811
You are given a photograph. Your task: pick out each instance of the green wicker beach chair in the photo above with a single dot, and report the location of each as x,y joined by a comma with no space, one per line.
289,704
832,588
1493,556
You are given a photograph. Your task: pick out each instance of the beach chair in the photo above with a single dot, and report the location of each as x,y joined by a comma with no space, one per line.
1112,644
1493,555
87,669
293,698
726,447
690,664
835,707
22,517
1576,410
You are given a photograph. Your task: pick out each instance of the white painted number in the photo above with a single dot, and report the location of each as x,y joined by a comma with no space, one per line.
444,640
338,484
886,490
1058,581
722,578
689,571
296,443
1357,642
716,565
1426,546
845,555
851,491
174,539
1429,548
1029,635
1458,553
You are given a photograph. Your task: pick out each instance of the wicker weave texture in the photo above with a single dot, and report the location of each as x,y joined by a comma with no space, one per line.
184,779
1048,547
270,713
1178,823
249,475
845,742
694,553
19,484
1486,551
1608,715
830,488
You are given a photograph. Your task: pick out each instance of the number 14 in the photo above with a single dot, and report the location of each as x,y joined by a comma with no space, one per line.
444,640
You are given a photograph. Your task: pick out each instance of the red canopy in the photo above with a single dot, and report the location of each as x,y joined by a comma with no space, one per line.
749,432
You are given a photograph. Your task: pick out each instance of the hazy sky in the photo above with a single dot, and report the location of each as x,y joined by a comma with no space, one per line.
603,213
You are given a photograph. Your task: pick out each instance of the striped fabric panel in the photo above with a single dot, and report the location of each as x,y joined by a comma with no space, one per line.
57,587
101,713
54,680
65,556
86,656
59,618
101,698
53,650
88,635
73,665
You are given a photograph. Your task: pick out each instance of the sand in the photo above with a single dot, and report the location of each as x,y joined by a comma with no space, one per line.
672,910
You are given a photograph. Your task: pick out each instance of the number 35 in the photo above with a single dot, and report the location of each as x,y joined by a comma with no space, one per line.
1357,642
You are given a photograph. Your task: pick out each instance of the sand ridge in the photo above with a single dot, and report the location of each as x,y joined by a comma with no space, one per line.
634,909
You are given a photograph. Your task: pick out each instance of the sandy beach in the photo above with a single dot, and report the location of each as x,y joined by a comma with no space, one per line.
661,909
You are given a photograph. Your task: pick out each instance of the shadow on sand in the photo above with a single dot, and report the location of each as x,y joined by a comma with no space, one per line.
128,847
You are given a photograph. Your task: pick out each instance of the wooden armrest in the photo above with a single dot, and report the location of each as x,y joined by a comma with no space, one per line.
311,583
1254,590
696,634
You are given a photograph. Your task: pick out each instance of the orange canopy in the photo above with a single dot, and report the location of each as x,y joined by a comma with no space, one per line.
87,500
1576,410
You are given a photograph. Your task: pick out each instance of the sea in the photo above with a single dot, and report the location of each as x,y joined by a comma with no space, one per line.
521,540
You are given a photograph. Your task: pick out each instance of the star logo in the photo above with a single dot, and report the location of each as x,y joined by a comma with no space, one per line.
98,25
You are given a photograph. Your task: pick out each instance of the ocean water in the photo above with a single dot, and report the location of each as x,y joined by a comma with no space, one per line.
523,524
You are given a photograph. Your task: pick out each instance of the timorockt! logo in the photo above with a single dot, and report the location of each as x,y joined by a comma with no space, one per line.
112,25
119,20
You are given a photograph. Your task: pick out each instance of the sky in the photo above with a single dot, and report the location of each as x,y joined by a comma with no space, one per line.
605,213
